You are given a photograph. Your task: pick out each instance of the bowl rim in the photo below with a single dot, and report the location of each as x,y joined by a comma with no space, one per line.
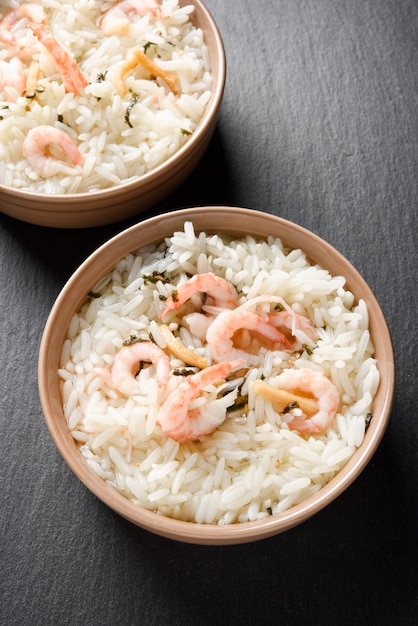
190,532
151,178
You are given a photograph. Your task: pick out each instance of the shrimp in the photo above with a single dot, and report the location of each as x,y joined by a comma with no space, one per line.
12,78
180,422
37,148
72,76
315,385
138,57
293,322
221,291
30,10
127,360
220,333
198,324
115,21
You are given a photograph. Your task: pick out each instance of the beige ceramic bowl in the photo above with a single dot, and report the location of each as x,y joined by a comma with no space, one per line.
123,201
237,222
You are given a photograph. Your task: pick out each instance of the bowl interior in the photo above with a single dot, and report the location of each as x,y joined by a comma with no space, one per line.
122,201
236,222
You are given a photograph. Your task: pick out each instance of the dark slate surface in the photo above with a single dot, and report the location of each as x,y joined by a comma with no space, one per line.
319,125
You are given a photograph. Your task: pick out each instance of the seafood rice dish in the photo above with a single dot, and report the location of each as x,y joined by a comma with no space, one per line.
218,380
94,94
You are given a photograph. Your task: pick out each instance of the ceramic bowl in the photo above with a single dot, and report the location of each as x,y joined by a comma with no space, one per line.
237,222
123,201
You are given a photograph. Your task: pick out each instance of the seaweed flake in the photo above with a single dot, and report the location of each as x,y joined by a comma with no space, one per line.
307,349
368,419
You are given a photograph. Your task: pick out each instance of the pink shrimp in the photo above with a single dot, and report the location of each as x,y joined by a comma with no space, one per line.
126,363
12,79
30,10
179,422
37,148
292,322
315,385
221,291
72,76
220,333
115,21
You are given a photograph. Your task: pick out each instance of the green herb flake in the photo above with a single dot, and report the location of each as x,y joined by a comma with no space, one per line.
156,277
101,77
132,339
93,294
182,371
304,348
129,108
368,419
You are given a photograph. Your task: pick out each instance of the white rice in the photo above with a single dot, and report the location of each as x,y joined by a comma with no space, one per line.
115,150
252,466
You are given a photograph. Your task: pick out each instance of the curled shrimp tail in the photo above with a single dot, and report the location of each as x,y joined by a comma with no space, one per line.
178,418
305,382
220,334
38,147
222,293
127,363
201,421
